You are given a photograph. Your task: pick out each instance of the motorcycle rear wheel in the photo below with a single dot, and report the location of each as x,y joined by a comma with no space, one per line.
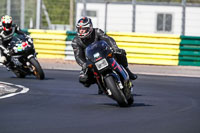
37,70
117,94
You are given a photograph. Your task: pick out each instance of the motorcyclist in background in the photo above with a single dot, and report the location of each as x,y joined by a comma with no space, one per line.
7,30
86,35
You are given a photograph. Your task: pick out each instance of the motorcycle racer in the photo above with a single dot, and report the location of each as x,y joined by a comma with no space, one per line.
7,31
86,35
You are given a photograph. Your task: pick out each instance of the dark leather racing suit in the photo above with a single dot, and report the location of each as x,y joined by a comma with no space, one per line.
6,37
79,45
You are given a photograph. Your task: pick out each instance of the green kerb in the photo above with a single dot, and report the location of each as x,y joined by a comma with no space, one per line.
189,51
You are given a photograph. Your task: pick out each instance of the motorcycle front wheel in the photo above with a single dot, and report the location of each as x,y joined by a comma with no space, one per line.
117,94
37,70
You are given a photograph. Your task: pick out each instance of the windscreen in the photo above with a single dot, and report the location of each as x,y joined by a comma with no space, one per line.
97,49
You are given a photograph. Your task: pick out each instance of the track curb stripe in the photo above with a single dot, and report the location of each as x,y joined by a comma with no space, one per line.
24,90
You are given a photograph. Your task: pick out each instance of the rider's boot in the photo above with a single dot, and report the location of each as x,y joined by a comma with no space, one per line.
100,90
86,85
3,59
83,78
131,75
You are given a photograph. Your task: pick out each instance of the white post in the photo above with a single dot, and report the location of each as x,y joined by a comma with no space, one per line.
38,14
106,15
183,16
8,7
134,12
22,14
84,8
71,16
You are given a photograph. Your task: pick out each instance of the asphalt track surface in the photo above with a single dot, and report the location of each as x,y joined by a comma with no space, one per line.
59,104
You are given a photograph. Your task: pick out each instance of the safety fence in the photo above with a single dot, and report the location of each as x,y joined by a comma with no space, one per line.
189,51
155,49
149,48
159,49
53,43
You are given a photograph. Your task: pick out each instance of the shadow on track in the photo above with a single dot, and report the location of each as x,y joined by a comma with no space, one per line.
141,105
134,105
32,78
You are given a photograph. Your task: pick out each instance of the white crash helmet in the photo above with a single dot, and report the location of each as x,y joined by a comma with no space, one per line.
84,22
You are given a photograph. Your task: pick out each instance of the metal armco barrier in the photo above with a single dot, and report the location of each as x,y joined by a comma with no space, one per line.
50,43
155,49
149,48
189,51
159,49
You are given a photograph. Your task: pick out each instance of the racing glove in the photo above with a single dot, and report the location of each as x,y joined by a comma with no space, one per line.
119,51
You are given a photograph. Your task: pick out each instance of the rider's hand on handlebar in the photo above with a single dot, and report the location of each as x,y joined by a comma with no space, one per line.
6,51
14,50
29,39
119,51
11,52
84,66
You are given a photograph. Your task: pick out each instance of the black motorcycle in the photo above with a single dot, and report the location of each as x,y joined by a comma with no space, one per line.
110,76
22,58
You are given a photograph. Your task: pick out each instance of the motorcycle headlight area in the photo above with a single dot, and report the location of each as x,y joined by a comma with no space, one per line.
101,64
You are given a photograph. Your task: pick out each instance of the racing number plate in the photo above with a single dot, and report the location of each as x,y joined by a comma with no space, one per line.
101,64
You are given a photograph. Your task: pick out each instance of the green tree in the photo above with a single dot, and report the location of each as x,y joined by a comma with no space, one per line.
58,11
2,7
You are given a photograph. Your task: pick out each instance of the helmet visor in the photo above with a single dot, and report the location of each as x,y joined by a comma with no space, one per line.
83,31
6,25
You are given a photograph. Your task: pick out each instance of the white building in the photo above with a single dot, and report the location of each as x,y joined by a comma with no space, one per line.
149,18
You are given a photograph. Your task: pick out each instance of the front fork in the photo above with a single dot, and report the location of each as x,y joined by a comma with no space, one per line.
127,85
116,69
31,67
100,81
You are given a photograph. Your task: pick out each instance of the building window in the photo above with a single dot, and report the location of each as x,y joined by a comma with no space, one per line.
89,13
164,22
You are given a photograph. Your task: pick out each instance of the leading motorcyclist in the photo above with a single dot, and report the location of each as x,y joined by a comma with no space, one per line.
86,35
7,30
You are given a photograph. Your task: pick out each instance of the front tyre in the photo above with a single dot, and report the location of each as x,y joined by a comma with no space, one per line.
116,92
37,70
